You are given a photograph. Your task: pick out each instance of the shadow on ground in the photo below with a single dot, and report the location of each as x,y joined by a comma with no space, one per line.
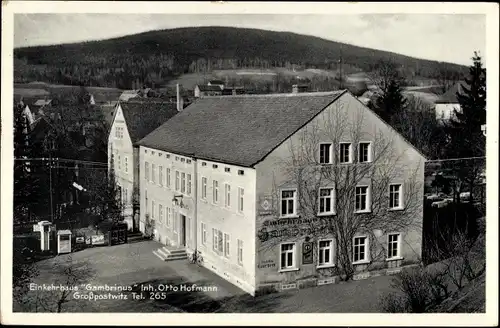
199,301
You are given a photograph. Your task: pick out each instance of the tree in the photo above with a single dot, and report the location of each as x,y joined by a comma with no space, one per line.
26,186
69,276
466,137
389,81
418,124
304,171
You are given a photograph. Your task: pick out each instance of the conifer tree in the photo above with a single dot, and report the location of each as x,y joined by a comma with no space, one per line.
466,137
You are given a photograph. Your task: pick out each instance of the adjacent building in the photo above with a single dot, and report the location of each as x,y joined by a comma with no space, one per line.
131,122
255,183
447,104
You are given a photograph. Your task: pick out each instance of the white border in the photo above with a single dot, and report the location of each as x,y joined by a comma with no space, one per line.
492,50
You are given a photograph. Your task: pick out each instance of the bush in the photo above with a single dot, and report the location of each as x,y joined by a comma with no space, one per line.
418,291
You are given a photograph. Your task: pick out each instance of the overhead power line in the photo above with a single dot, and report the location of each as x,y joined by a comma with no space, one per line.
455,159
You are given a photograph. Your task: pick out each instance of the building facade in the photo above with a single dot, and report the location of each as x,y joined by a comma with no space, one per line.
247,181
131,122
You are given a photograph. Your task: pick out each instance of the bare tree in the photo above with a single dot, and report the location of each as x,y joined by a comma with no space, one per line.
418,124
304,171
68,275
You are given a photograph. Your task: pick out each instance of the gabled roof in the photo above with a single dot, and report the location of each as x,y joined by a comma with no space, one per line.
127,94
450,96
238,130
143,117
42,102
209,88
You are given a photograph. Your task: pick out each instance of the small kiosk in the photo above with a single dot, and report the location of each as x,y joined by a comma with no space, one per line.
45,228
63,241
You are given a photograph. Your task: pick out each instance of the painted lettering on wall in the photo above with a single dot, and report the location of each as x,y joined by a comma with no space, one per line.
267,264
265,235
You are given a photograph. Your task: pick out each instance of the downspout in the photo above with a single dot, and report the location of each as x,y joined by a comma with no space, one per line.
195,214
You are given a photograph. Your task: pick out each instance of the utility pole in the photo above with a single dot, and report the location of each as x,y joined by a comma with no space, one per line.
340,69
50,187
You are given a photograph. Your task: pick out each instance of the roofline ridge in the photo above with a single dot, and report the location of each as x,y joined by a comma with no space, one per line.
278,95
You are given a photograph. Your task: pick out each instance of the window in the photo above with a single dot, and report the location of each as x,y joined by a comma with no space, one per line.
183,182
395,196
177,180
203,188
152,209
325,153
393,246
146,171
240,251
153,173
217,240
119,132
326,201
169,217
126,164
160,213
125,196
241,172
203,233
119,163
362,201
288,201
168,177
364,151
287,259
228,195
189,184
226,245
216,191
325,252
160,175
359,249
241,196
345,152
227,169
146,200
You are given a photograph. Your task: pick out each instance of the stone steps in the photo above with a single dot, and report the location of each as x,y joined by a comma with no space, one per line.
170,254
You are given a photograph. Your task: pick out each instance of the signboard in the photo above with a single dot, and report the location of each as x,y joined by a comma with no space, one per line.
80,240
98,240
307,252
266,205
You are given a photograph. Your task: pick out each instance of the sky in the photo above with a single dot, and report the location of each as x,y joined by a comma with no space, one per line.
443,37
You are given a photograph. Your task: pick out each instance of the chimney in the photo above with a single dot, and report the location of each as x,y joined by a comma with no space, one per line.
179,108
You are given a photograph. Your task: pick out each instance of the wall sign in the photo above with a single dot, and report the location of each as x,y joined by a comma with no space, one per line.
265,205
266,264
307,252
265,235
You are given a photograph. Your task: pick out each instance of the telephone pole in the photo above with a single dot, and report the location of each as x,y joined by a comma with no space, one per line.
340,69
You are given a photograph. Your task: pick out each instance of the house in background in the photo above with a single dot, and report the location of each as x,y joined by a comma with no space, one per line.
131,122
212,180
447,104
207,90
217,83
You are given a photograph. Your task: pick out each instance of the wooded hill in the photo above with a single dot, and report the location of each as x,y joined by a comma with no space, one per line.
159,56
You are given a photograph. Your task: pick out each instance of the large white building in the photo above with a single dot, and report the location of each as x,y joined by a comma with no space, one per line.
213,179
131,122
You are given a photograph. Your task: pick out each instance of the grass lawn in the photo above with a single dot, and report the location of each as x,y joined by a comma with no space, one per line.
135,265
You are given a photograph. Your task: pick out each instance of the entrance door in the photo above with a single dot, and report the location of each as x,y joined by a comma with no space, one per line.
183,230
